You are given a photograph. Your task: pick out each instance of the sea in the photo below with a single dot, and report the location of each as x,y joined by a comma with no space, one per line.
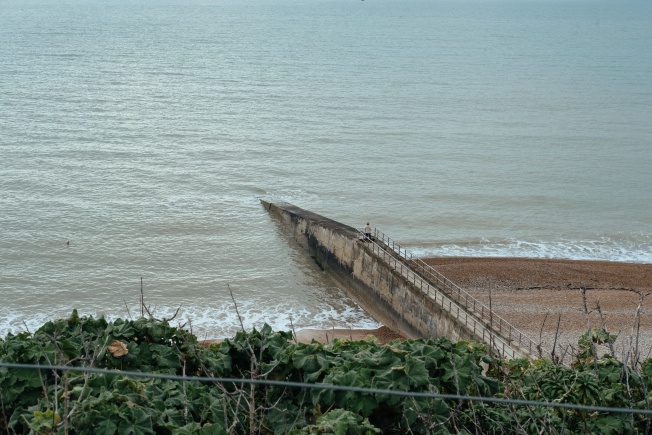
137,138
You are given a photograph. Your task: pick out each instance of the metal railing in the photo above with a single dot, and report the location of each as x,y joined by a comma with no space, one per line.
493,329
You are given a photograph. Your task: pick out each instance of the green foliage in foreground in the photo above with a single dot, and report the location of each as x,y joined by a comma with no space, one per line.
47,401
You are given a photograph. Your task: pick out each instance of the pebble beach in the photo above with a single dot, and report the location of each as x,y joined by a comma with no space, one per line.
553,301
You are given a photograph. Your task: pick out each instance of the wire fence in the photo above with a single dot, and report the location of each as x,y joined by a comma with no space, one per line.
321,386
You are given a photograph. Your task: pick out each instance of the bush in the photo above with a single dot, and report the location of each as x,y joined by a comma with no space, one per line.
61,401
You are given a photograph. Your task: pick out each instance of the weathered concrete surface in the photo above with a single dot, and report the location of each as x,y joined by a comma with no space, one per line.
380,290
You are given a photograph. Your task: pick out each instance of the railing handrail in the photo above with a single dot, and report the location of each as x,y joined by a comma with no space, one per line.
505,330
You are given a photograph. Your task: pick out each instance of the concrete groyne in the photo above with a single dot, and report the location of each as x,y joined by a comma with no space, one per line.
385,285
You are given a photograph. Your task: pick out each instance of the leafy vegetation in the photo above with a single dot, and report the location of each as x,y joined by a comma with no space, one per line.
56,401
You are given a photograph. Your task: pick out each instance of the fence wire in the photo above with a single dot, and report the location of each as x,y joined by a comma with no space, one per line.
301,385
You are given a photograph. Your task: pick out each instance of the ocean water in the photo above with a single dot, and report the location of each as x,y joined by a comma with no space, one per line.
137,136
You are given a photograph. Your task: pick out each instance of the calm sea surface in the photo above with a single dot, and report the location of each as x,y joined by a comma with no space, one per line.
144,132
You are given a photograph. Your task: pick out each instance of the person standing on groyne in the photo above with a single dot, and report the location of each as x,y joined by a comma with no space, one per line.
367,232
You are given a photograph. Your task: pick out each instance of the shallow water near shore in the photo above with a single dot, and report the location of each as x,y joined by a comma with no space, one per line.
145,134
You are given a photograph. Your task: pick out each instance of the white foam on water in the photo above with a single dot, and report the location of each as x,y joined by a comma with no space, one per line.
16,322
221,321
605,248
224,322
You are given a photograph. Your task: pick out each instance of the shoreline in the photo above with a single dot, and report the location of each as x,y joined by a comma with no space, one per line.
544,299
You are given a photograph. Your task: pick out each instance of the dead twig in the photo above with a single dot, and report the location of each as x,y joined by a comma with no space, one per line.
543,324
554,344
142,299
150,312
294,333
128,312
603,325
237,312
636,327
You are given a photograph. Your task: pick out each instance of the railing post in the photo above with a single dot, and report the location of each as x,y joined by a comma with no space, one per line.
443,286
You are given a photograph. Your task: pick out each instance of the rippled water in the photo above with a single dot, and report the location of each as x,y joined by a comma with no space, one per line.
144,134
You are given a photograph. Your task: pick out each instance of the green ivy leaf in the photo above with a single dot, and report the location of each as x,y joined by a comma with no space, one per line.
311,360
612,425
458,373
134,421
421,413
212,429
382,357
105,427
189,429
342,422
416,373
166,356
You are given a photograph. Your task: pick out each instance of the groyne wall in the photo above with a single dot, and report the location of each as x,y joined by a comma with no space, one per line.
384,292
